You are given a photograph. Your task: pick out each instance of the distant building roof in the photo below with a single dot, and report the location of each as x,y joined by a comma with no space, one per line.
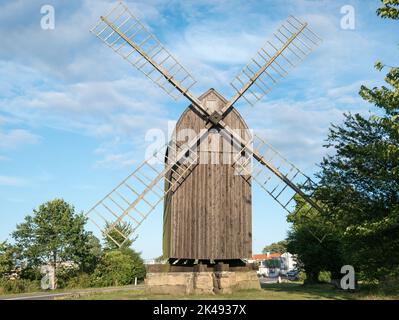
266,256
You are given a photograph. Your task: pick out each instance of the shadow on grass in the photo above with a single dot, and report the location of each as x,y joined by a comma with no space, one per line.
300,291
328,291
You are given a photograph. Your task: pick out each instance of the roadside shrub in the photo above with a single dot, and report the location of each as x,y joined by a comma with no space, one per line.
64,276
31,273
118,267
81,280
19,286
390,285
302,276
325,276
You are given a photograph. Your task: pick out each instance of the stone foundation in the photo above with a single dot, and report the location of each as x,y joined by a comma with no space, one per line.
185,283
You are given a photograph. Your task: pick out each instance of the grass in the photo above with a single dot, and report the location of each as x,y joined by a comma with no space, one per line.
285,291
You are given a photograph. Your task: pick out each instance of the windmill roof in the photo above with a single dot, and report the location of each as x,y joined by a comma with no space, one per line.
212,90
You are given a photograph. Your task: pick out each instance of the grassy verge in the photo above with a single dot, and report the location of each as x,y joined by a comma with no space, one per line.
74,293
286,291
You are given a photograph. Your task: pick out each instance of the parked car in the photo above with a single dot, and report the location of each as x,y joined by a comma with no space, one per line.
293,275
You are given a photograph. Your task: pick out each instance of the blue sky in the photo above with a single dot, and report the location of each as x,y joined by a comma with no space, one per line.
73,115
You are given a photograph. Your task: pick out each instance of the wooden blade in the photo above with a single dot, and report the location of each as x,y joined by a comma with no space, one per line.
127,36
281,179
132,200
291,43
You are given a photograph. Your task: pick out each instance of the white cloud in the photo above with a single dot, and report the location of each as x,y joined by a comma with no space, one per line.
68,80
9,181
98,108
298,129
122,160
17,137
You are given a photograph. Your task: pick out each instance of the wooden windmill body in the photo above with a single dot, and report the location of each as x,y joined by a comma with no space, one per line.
208,216
207,205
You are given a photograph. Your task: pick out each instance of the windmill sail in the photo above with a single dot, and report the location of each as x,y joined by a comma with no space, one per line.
127,36
292,42
133,199
281,179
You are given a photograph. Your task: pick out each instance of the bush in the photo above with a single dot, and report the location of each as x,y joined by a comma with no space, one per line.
390,285
19,286
302,276
82,280
325,276
118,267
31,273
64,276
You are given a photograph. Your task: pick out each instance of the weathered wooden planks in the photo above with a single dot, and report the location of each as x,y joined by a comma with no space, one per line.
209,215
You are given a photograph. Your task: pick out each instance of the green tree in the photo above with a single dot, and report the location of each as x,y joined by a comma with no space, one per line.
90,254
273,263
276,247
119,264
389,9
118,267
51,235
359,183
118,236
7,259
315,241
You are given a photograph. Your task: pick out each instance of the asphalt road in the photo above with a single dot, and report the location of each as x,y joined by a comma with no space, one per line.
52,296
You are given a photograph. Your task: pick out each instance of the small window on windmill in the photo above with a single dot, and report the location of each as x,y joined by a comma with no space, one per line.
211,105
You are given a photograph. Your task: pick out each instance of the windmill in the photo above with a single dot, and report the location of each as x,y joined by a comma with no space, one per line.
207,206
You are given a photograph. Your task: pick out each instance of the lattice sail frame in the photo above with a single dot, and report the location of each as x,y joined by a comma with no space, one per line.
273,184
120,29
291,44
268,181
132,200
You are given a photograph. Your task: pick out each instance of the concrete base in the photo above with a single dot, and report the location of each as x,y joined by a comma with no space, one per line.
184,283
